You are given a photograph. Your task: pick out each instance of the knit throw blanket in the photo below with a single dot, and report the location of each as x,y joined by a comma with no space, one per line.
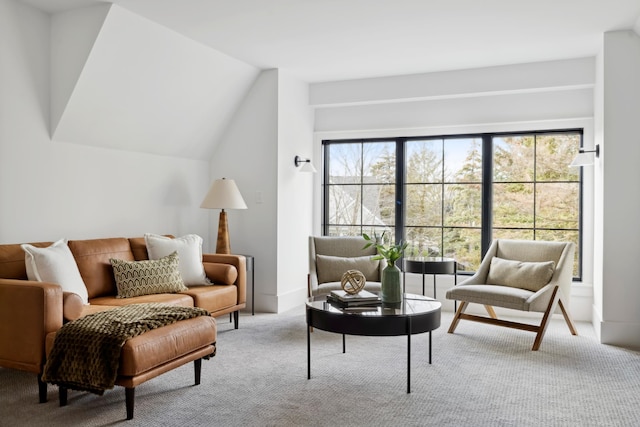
86,352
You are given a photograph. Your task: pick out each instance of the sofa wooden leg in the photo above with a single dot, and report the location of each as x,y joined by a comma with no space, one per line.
197,367
236,318
63,393
130,397
42,389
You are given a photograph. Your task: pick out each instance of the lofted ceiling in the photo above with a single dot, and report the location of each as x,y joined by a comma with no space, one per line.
326,40
166,76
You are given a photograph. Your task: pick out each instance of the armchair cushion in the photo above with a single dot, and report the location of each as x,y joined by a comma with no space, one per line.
331,268
531,276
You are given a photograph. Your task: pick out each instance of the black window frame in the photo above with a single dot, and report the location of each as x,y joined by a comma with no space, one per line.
486,184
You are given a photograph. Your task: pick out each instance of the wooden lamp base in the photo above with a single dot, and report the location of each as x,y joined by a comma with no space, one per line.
222,245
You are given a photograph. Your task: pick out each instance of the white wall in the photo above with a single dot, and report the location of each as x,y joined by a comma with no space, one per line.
295,191
248,153
51,189
524,97
618,292
271,127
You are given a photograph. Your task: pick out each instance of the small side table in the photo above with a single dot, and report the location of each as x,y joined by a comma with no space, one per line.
430,265
251,277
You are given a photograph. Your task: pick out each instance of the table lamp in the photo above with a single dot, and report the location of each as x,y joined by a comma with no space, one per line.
223,194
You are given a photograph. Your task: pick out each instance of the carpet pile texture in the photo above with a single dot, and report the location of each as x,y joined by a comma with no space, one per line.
481,376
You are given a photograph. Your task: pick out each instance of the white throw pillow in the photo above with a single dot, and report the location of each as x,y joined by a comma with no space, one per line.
189,250
55,264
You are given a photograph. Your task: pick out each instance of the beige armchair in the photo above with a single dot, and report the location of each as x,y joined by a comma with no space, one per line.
521,275
330,257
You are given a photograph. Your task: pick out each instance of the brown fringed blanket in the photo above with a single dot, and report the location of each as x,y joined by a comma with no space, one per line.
86,352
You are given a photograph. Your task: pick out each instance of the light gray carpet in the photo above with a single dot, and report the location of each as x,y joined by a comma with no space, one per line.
481,376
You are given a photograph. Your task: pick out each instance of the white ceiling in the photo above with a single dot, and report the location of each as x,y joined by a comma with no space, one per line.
325,40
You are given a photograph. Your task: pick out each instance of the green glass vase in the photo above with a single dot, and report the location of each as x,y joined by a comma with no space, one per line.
391,284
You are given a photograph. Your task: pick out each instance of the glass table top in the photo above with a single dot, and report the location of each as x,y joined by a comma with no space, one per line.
411,304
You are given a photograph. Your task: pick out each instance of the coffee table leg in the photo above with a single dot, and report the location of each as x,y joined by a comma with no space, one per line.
409,354
308,351
344,344
429,347
409,363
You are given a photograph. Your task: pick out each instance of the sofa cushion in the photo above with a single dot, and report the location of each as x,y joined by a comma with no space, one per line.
55,264
331,268
531,276
180,299
189,250
213,297
92,257
135,278
12,260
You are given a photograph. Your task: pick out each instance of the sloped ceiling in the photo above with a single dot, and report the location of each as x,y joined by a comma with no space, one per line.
141,87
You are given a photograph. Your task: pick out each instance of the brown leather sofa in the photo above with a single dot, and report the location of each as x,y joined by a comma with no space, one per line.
29,310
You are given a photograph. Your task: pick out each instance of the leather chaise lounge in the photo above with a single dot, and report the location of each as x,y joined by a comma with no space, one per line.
31,312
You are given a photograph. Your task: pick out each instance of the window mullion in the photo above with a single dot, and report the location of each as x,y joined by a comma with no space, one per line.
487,193
400,193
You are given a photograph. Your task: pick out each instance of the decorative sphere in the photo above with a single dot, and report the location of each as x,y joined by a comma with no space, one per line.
353,282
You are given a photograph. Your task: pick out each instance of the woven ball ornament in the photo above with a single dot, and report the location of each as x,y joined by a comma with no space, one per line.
353,282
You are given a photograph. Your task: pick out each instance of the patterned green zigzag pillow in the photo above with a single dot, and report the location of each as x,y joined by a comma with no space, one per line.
136,278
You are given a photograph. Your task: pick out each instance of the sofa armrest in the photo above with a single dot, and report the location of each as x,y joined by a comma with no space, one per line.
239,262
28,312
72,306
221,274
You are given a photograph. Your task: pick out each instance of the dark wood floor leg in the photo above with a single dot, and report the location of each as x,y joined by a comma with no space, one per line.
197,367
130,397
236,318
62,395
42,389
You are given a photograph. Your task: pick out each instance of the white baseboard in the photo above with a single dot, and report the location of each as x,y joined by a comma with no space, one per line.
622,334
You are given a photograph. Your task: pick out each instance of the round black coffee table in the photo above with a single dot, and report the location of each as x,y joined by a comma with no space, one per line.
416,314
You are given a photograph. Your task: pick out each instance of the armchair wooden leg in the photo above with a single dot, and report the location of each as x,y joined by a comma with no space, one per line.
567,318
491,311
456,317
545,319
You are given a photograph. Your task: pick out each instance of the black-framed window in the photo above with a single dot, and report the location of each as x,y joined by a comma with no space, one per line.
451,195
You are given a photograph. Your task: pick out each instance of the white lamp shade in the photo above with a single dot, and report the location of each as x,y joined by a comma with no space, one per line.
308,167
583,159
224,194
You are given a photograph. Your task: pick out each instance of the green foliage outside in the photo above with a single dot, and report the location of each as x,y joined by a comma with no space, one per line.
535,194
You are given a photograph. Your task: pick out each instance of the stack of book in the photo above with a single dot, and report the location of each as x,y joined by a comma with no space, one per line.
362,298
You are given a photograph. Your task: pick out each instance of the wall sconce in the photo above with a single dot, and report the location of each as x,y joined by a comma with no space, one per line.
584,157
306,164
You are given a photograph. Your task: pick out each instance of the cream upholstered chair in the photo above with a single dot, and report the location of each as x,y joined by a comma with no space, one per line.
521,275
331,256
